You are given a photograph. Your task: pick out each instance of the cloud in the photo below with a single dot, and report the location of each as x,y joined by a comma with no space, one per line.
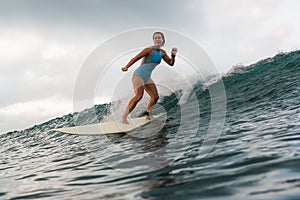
21,114
101,15
30,59
246,31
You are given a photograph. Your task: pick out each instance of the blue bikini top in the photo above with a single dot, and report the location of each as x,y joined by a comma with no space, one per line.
155,58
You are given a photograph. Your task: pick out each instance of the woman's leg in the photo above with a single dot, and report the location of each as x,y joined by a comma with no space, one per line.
138,86
151,89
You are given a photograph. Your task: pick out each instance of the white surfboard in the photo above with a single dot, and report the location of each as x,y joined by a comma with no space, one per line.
107,127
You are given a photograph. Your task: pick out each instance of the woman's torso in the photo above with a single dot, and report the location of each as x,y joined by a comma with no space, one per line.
148,64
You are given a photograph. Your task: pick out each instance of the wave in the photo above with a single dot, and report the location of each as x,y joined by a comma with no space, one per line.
270,79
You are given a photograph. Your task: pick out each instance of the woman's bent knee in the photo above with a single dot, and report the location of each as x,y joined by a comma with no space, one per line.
155,98
138,98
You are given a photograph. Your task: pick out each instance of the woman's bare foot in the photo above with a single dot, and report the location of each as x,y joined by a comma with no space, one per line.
124,121
147,115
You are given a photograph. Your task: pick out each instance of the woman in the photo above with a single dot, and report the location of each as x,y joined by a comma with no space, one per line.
141,79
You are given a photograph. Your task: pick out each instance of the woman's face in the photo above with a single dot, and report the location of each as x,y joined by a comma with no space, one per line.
158,40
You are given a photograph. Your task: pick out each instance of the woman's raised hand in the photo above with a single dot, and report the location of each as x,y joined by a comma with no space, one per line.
174,51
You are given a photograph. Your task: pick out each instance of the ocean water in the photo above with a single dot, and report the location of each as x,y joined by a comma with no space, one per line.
255,155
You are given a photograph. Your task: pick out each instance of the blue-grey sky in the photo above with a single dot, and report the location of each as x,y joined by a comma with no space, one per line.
43,44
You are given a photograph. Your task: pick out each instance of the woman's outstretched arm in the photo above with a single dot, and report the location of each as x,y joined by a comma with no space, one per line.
142,54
